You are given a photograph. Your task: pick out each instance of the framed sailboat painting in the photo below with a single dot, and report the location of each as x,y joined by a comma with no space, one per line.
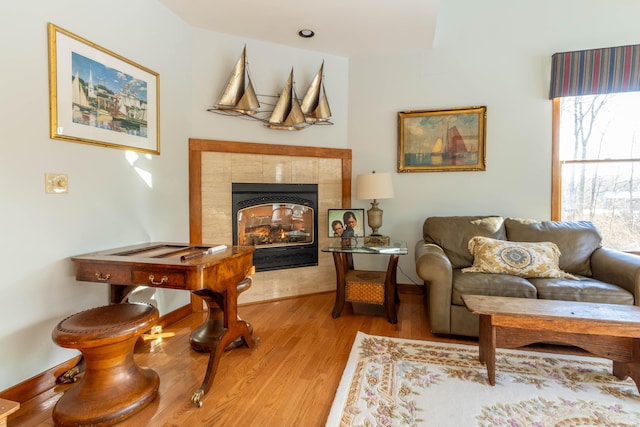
442,140
99,97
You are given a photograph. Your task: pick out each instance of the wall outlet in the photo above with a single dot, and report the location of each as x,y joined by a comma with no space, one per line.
56,183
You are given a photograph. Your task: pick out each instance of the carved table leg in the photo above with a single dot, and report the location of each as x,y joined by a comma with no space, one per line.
231,330
204,337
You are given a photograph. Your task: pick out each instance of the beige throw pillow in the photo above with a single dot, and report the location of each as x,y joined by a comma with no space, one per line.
523,259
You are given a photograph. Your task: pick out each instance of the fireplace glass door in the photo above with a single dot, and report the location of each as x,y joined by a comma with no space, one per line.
275,225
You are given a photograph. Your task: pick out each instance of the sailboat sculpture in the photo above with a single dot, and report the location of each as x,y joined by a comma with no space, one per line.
238,96
287,114
315,106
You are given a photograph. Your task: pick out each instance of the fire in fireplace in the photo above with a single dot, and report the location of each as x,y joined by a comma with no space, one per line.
280,220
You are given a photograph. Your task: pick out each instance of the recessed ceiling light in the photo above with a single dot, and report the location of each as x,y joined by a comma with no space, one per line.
306,33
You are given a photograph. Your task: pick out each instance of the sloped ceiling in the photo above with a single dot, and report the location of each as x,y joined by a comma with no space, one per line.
342,27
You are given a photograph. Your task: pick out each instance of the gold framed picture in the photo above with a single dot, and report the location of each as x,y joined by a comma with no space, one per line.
442,140
99,97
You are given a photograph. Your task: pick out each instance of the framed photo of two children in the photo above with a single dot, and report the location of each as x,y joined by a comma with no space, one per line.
346,223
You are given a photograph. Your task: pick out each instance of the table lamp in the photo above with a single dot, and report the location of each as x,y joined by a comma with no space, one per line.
374,186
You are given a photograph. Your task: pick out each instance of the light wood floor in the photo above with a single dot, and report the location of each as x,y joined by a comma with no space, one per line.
288,379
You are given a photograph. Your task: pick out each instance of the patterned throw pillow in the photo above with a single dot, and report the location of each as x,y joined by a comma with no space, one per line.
523,259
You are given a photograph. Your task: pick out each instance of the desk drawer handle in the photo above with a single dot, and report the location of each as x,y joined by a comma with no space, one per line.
102,278
164,279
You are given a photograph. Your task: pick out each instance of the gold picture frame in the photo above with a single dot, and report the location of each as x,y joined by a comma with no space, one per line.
99,97
442,140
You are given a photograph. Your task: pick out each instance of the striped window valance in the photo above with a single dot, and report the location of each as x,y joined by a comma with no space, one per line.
595,71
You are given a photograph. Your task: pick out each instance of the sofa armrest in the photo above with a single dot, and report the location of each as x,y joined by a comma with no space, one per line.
618,268
434,268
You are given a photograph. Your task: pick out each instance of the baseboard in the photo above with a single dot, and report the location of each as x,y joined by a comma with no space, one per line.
410,288
46,380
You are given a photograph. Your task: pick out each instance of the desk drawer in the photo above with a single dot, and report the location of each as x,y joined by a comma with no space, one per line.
98,272
160,278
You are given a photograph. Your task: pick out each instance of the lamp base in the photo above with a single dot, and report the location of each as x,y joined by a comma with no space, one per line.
377,240
374,217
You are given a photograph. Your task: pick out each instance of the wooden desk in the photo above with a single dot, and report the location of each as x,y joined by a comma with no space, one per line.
611,331
213,277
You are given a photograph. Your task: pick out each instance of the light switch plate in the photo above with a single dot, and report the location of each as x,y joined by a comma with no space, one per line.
56,183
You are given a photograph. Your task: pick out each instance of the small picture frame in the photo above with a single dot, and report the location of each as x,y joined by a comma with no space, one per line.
346,223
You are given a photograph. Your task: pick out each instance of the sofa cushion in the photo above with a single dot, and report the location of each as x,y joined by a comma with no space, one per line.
576,240
502,285
452,234
522,259
585,289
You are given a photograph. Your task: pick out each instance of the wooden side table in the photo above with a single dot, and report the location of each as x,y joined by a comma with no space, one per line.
366,286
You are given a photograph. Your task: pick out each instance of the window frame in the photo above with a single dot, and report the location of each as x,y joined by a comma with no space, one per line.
556,165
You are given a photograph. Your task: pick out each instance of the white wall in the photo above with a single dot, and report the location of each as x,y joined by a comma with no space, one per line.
108,204
495,53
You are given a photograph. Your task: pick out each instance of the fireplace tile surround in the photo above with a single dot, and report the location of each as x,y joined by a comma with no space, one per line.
215,165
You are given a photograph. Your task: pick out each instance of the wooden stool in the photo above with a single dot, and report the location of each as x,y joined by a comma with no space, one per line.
113,387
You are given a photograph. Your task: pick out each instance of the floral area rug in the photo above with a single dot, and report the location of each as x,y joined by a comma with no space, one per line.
398,382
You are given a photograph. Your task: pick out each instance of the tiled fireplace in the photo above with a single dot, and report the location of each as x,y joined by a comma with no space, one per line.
215,166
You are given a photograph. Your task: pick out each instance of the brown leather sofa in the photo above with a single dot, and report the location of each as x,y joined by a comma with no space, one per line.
602,275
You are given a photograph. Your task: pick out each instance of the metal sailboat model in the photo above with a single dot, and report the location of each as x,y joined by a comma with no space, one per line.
287,114
315,106
239,99
238,96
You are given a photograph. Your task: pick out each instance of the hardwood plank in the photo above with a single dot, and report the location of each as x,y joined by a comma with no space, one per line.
288,379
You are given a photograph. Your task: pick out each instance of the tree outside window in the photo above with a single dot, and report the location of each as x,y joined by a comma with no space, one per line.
597,164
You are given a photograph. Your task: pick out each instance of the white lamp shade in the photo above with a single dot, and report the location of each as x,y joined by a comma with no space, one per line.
374,186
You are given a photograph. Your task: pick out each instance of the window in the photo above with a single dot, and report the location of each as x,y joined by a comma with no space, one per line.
596,141
599,160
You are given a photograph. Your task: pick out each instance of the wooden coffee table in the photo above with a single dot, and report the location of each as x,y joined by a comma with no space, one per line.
611,331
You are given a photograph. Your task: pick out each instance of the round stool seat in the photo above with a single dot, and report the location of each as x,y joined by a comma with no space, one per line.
102,325
113,386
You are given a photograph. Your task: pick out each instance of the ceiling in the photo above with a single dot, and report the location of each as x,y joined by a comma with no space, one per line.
342,27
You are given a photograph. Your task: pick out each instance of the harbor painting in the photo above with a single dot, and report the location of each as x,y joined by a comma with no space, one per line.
98,97
107,98
442,140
